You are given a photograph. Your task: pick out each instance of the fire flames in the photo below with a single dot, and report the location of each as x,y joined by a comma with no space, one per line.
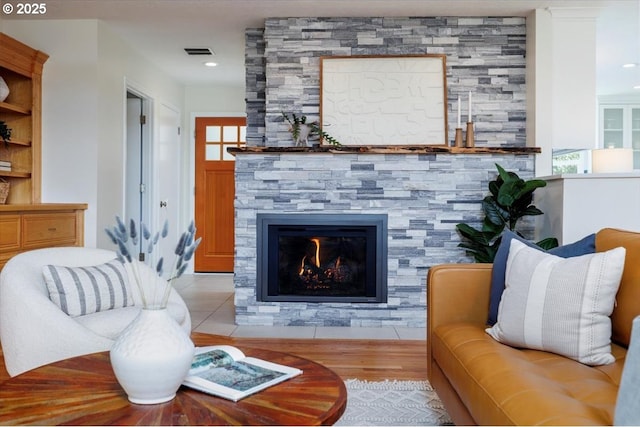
316,275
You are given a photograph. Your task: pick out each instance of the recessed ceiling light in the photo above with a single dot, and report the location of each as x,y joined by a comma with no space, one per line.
630,65
636,87
210,64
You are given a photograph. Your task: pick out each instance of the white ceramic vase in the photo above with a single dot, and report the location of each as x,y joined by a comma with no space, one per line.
304,130
4,90
151,357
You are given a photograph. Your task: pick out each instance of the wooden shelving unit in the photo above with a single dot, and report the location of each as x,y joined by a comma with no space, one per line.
25,222
21,68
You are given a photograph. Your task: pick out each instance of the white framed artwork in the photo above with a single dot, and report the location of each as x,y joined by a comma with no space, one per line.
384,100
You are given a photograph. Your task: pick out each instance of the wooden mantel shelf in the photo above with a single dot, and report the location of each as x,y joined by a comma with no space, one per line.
397,149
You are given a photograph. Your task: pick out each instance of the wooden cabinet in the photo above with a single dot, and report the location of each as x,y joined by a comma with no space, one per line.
21,68
34,226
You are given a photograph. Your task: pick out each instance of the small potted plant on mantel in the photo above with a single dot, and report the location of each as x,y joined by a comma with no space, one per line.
301,131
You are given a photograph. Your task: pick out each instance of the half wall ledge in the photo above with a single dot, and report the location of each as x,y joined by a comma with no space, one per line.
396,149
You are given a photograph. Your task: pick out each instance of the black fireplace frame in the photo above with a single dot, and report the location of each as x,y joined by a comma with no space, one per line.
265,220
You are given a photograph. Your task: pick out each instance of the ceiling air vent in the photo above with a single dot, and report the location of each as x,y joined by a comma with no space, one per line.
198,51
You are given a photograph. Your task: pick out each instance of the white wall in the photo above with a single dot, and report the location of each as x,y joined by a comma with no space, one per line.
561,81
574,78
83,113
214,99
539,87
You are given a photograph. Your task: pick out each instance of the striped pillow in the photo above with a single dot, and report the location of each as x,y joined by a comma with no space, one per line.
85,290
560,305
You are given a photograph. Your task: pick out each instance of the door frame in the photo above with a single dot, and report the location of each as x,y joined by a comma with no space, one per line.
152,217
147,149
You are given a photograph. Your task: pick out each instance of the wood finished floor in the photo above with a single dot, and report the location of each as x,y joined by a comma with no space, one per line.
373,360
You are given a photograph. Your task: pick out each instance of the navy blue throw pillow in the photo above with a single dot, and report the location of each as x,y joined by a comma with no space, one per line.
586,245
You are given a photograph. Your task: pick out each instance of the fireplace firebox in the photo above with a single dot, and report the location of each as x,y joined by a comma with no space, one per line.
322,257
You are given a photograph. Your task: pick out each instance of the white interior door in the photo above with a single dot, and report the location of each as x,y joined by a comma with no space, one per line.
167,178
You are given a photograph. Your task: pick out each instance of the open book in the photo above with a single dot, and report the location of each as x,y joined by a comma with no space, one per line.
225,371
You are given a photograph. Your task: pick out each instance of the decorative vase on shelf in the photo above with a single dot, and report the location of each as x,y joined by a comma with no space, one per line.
152,357
4,90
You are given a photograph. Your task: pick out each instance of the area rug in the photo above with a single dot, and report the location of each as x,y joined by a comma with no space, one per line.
392,403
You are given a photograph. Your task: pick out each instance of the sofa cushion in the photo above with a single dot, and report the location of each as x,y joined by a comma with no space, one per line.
559,305
79,291
501,385
584,246
627,301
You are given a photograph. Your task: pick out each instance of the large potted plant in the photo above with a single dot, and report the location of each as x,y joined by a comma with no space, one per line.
510,200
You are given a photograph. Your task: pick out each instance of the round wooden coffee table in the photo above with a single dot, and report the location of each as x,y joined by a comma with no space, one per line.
84,391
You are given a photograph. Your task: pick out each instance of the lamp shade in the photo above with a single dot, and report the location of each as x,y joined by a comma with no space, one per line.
612,160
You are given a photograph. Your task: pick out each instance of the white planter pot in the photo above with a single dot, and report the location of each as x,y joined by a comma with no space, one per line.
151,357
4,90
304,130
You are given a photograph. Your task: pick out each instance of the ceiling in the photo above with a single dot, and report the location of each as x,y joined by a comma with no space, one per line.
161,29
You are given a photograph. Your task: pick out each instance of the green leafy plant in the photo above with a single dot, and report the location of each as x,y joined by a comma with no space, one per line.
5,133
297,126
133,239
510,200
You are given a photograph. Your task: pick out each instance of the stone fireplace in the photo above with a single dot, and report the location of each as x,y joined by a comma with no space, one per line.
423,194
423,197
322,258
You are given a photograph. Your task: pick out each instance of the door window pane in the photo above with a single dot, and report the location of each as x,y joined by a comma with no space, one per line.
212,152
613,118
230,134
243,133
213,134
613,139
225,154
613,133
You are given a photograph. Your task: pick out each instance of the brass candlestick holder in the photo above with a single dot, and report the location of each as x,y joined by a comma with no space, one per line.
458,141
470,143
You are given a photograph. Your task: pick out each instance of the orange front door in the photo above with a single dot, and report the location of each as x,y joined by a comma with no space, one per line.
215,190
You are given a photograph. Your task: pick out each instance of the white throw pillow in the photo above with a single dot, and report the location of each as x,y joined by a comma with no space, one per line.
560,305
84,290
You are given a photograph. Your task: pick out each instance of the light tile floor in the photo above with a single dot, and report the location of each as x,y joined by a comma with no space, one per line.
210,301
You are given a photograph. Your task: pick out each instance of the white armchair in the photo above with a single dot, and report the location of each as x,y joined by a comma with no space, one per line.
34,331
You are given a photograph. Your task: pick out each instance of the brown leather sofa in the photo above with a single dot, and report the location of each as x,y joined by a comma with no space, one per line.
483,382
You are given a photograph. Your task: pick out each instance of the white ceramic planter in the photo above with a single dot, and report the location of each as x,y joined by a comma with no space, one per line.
303,135
151,357
4,90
